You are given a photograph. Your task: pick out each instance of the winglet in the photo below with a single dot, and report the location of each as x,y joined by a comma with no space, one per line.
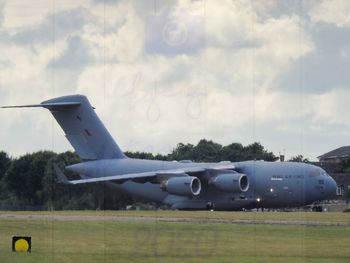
60,175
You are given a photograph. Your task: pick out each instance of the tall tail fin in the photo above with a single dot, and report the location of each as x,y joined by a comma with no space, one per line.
82,127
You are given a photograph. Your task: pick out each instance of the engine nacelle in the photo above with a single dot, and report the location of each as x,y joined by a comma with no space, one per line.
186,185
231,182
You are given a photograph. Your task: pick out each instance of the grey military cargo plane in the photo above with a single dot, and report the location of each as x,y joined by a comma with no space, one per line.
184,184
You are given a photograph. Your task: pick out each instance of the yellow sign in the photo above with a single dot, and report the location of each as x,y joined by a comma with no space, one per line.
21,244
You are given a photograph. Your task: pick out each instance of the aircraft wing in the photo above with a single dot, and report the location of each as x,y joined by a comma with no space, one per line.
146,176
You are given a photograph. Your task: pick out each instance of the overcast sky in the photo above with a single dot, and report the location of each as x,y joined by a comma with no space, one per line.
163,72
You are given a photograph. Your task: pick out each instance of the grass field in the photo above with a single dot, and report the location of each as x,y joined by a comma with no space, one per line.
112,241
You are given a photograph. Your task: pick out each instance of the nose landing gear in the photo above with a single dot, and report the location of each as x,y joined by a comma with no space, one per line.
210,206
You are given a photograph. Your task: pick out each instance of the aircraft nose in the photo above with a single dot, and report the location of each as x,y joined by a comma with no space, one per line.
331,188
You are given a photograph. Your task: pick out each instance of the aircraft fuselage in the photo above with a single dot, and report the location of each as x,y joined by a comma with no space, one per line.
271,184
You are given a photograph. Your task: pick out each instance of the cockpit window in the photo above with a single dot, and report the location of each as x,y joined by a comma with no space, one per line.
323,173
318,172
315,172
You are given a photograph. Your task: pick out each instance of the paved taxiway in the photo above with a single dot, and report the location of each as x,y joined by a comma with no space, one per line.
169,219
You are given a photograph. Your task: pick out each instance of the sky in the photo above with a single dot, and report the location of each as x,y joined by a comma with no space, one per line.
164,72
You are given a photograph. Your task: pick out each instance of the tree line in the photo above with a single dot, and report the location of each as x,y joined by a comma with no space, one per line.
28,181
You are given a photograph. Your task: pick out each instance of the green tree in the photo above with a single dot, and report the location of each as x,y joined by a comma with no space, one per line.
204,151
256,151
299,159
24,176
182,152
207,151
232,152
5,162
145,155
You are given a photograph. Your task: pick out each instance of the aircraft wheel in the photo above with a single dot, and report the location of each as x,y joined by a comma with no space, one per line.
210,206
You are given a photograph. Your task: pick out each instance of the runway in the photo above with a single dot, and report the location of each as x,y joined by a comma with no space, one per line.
151,219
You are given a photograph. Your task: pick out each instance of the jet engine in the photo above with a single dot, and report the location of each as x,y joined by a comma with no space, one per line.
187,186
231,182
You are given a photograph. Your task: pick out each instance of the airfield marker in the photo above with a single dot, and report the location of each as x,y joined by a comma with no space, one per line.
21,244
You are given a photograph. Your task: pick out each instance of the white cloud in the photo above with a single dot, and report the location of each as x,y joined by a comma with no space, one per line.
332,11
330,107
123,42
19,15
23,71
226,90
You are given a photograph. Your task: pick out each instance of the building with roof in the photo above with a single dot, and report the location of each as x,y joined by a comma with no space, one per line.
335,156
331,161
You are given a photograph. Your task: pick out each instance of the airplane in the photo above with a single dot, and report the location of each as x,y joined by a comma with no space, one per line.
183,185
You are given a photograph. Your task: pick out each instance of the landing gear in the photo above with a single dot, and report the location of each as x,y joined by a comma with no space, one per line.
210,206
317,208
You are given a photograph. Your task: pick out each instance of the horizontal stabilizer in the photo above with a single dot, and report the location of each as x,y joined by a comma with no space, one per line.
45,105
60,175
